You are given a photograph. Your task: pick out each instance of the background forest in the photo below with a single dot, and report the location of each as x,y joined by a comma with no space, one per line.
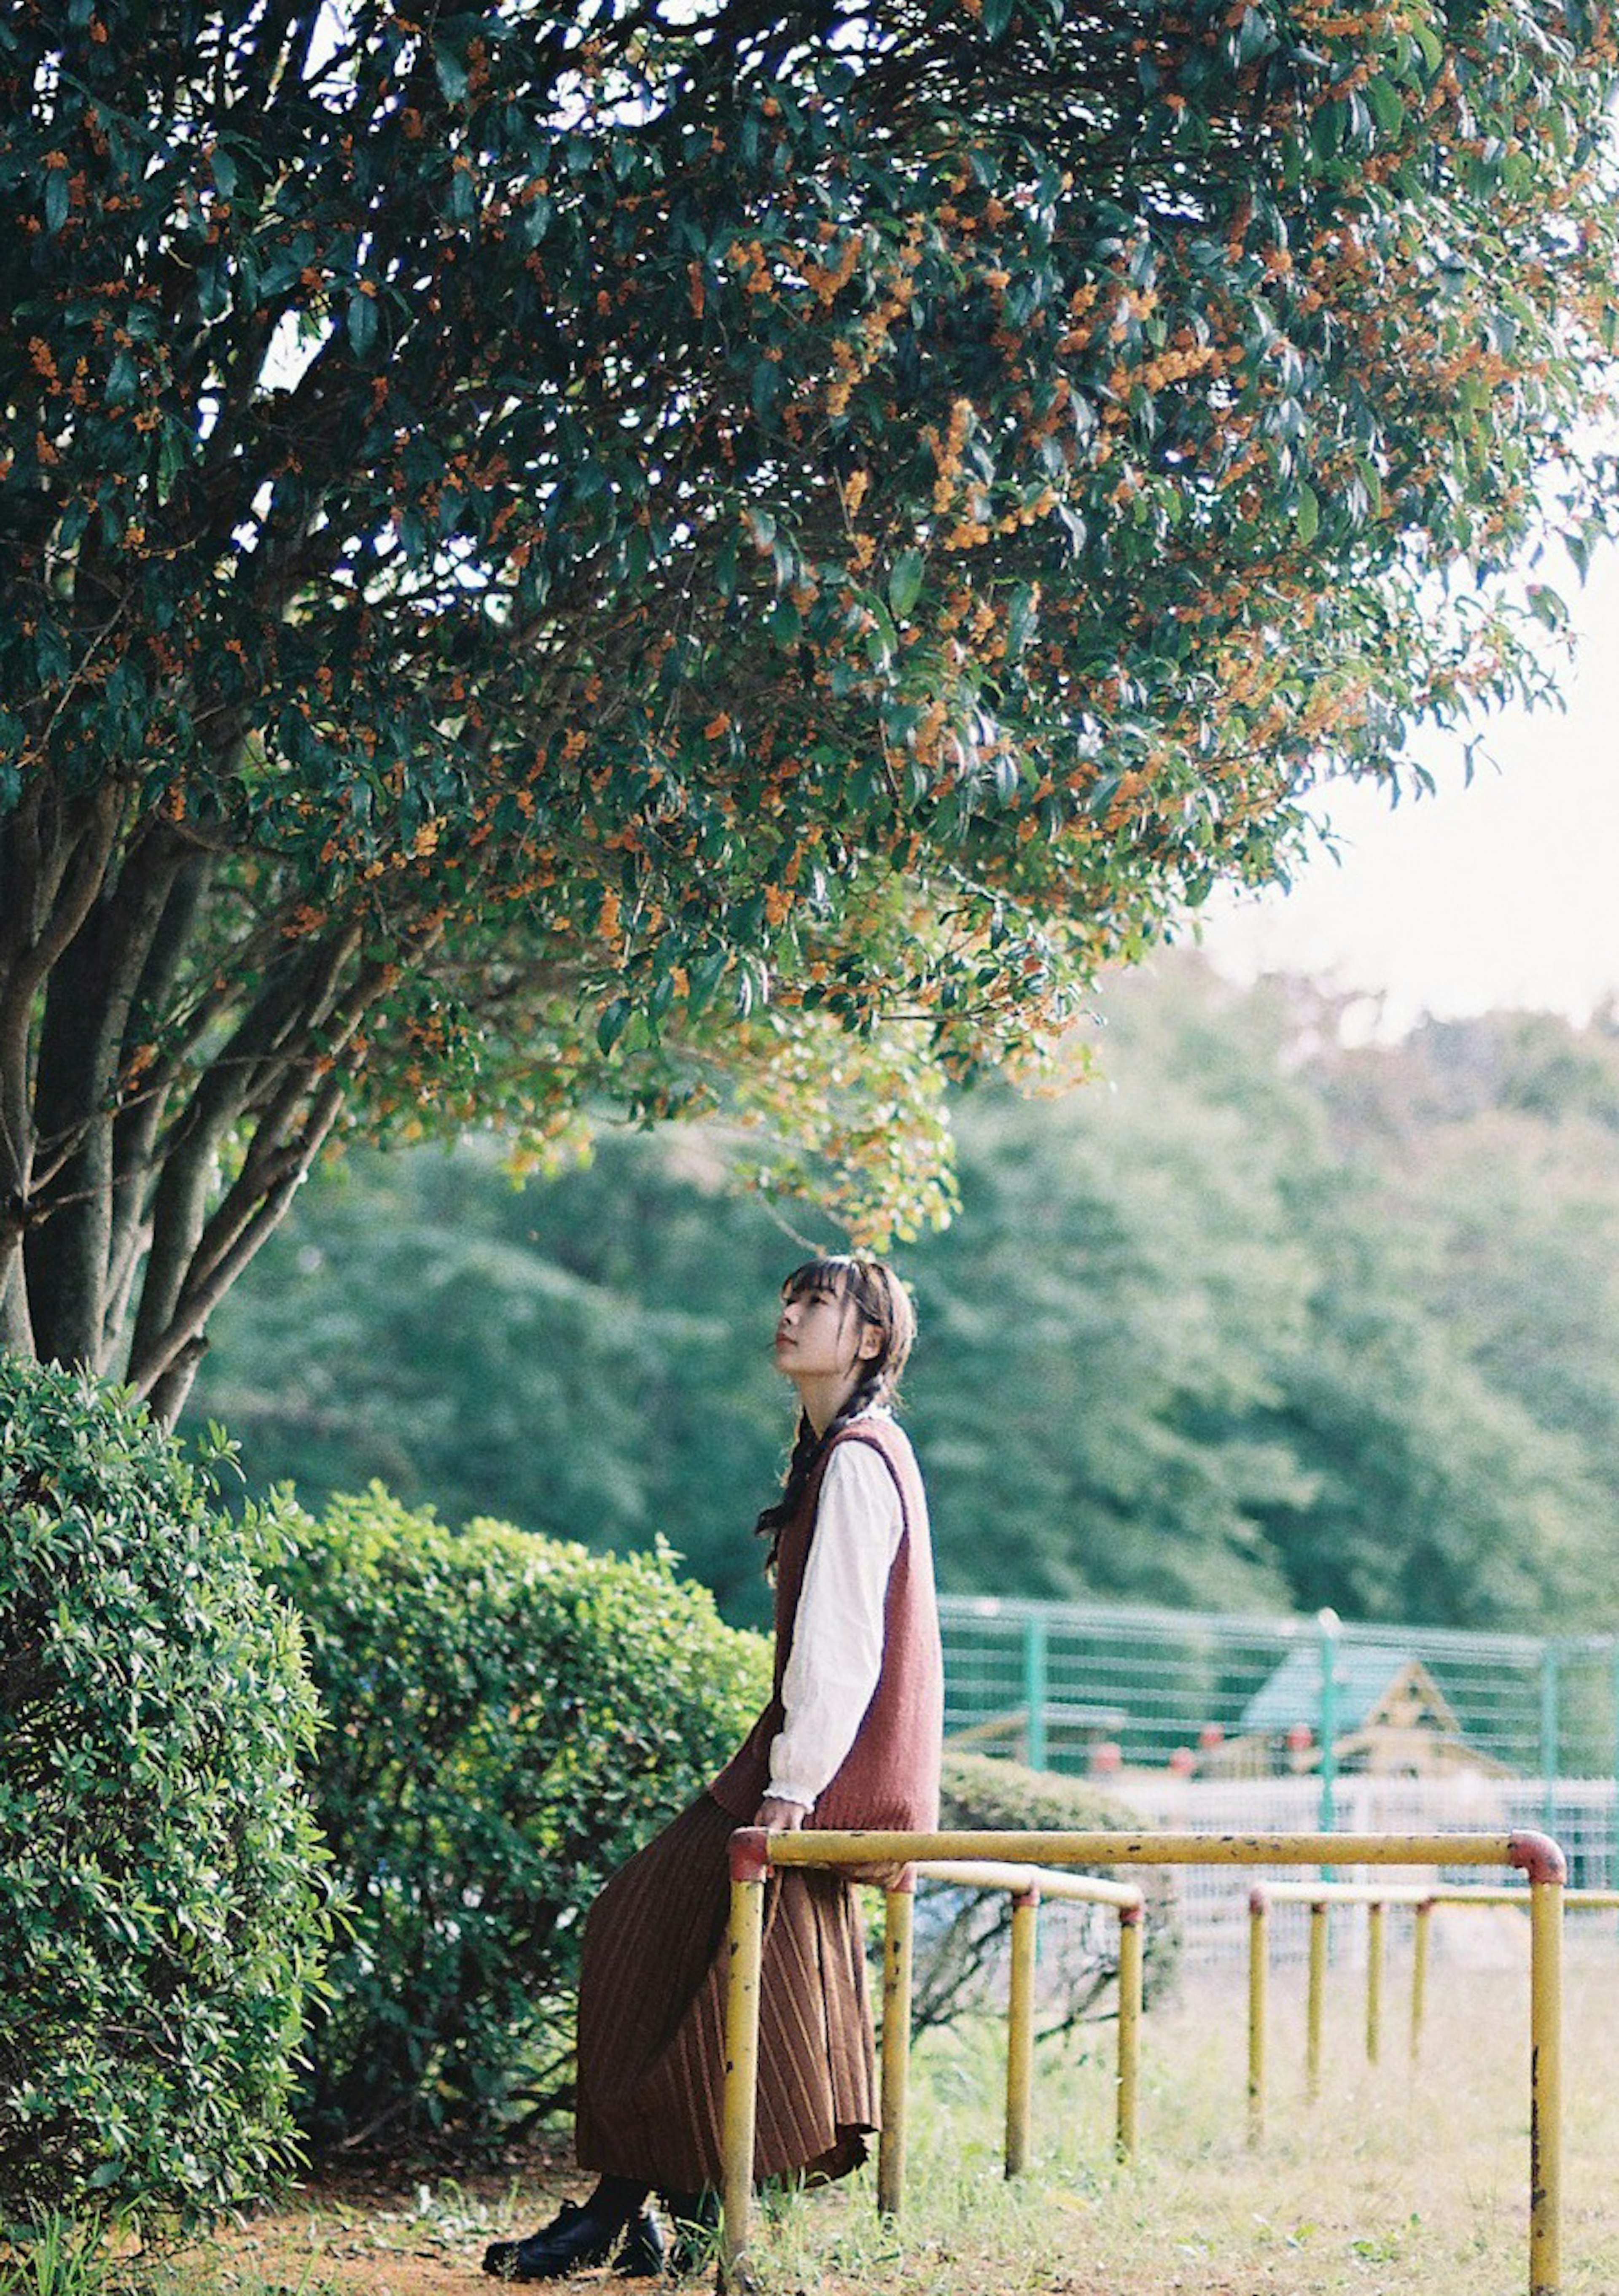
1250,1320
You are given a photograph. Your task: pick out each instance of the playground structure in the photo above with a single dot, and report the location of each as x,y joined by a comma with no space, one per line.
755,1852
1422,1899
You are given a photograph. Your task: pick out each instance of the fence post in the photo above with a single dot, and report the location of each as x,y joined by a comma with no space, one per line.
1551,1729
1034,1691
1612,1860
1326,1620
1611,1863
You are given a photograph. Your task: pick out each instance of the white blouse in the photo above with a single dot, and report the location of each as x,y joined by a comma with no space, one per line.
838,1633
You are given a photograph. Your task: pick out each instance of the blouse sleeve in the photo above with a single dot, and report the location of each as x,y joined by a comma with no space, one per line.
838,1632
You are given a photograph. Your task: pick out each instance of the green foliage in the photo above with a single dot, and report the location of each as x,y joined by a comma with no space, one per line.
963,1936
1260,1325
59,2256
161,1901
512,1718
589,1359
554,558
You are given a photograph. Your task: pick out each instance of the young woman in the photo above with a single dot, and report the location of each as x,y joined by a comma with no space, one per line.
850,1737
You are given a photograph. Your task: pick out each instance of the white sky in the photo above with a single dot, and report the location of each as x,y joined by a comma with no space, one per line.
1503,892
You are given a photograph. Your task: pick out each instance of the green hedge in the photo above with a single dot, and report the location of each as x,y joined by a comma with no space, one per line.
161,1901
510,1718
963,1936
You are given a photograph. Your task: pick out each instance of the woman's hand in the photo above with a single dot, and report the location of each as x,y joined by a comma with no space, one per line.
879,1877
778,1816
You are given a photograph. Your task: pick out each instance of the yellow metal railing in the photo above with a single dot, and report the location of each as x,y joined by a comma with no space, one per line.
1421,1898
1318,1896
754,1853
1026,1885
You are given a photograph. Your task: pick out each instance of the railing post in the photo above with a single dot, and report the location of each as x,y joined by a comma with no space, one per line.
744,1940
1130,1960
896,2048
1374,1981
1419,1945
1318,1993
1036,1692
1258,1961
1020,2030
1542,1861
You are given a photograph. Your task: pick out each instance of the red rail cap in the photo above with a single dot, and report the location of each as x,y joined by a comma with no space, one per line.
1538,1856
750,1854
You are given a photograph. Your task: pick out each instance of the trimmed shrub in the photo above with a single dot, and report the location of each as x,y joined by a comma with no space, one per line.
510,1717
162,1909
963,1936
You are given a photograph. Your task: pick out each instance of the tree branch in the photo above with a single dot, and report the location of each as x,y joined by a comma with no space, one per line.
294,1001
88,999
165,1379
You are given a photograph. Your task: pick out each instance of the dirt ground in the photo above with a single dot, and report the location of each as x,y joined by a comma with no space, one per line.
390,2231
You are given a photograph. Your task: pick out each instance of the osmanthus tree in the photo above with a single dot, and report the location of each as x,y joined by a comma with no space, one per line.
677,551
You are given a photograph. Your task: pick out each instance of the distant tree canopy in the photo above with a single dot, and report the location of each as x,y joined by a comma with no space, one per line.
1268,1325
710,553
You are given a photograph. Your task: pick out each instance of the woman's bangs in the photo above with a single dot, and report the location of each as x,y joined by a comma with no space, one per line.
830,1274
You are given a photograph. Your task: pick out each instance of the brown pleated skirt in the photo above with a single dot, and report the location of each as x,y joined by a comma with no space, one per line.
652,2018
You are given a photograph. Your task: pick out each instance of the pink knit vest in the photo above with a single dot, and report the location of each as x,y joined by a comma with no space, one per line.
889,1778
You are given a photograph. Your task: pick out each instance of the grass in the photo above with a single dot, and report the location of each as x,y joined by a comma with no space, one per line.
1392,2182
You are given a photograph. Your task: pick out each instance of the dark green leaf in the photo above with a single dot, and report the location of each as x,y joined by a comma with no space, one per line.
906,583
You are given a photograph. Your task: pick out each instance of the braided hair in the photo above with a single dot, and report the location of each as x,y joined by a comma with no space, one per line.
883,1305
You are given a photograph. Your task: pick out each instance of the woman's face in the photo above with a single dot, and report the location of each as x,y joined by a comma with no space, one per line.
820,1333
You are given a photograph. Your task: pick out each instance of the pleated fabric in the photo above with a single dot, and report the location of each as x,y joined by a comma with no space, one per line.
652,2012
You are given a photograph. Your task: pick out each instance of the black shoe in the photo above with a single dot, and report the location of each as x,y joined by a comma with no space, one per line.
694,2218
574,2239
642,2255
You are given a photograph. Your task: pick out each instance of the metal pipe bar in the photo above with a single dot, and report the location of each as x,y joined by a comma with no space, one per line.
987,1874
1421,1894
814,1847
1545,2087
1020,2031
1357,1893
896,2091
1131,1938
1259,1965
1319,1918
754,1851
1374,1979
746,1952
1467,1893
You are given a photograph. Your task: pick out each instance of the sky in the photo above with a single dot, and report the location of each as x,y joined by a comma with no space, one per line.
1497,893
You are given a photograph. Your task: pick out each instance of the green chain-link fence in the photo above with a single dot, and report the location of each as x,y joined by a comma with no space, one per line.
1214,1703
